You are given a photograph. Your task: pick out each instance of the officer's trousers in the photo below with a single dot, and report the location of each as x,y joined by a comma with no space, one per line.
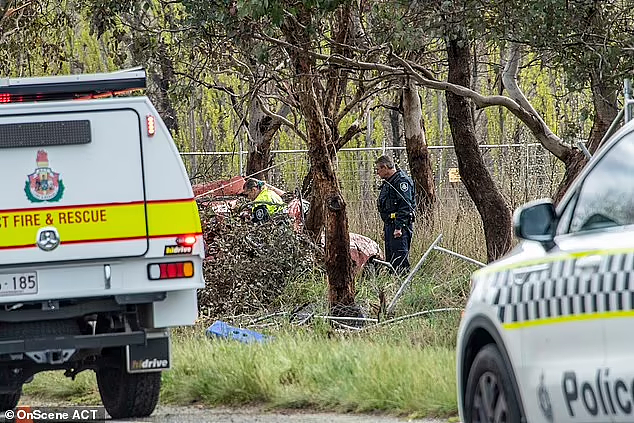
397,249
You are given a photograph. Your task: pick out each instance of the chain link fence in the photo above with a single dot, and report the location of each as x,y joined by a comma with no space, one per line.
522,172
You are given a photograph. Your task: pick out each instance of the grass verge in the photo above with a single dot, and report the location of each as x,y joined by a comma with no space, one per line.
375,371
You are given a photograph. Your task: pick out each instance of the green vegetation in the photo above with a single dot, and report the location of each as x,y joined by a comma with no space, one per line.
401,368
384,369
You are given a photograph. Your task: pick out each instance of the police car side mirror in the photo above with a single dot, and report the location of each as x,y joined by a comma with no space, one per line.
536,221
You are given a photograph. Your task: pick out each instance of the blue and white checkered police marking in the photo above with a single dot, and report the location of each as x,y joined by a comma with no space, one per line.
560,290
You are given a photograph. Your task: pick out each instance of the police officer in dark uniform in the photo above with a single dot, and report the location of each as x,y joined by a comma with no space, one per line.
396,206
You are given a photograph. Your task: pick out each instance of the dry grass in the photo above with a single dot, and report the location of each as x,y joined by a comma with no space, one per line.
458,222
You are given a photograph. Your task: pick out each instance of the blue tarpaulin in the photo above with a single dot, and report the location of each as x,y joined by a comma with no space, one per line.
223,330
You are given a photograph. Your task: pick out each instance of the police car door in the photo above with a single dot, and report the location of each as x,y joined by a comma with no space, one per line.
604,211
555,343
580,355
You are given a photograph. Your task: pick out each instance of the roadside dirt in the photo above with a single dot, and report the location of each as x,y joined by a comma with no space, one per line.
197,413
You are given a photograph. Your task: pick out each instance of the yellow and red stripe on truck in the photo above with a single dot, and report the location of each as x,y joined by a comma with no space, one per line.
100,222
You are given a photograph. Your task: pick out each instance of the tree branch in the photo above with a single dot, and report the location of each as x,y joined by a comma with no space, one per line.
283,120
222,88
10,11
386,106
352,130
337,80
528,116
537,125
360,97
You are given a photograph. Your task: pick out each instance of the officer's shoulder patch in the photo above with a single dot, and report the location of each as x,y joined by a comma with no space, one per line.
404,186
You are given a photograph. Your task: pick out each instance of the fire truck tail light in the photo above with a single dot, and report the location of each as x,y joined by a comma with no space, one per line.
186,240
183,269
151,125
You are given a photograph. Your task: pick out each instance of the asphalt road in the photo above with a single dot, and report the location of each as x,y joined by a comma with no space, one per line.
168,414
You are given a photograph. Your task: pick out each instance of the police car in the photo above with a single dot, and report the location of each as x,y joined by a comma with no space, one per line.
547,331
100,239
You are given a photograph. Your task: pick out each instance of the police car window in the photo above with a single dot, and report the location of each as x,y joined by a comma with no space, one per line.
606,198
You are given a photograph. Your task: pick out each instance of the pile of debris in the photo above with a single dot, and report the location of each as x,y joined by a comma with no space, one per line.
248,265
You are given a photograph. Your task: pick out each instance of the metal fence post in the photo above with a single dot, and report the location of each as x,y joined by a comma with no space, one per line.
629,101
242,172
412,273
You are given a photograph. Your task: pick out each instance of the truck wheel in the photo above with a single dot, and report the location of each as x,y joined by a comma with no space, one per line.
10,401
127,395
489,396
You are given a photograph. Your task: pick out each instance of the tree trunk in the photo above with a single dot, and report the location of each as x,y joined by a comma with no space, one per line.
331,97
366,167
574,163
326,190
606,109
262,129
605,106
417,151
495,214
328,197
395,132
163,82
258,159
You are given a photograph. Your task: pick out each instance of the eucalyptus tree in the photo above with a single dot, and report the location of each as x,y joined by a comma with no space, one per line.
435,38
183,55
294,41
592,41
418,155
145,33
381,30
33,35
260,102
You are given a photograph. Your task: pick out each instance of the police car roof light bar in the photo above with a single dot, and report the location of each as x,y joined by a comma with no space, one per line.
67,87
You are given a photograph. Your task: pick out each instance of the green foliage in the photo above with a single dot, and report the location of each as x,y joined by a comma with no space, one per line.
105,14
587,39
390,23
32,38
275,10
378,371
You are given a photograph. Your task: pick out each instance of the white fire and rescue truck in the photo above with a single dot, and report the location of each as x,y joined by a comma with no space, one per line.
100,240
546,334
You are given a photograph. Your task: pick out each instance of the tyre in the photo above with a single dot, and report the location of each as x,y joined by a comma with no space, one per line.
127,395
489,397
10,401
